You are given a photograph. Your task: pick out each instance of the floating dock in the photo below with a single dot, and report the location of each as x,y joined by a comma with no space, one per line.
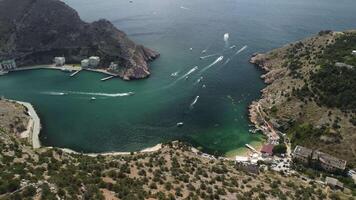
107,78
75,73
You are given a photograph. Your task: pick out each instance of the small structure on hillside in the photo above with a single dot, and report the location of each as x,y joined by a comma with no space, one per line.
318,158
354,52
302,154
267,150
85,63
242,159
59,61
7,65
328,162
113,66
94,61
91,62
334,183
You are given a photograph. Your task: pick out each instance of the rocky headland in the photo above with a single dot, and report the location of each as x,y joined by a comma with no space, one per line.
310,94
33,32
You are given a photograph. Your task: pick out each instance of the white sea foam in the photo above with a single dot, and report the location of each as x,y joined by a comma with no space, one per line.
212,64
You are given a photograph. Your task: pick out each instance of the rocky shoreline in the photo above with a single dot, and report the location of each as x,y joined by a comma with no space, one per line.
44,29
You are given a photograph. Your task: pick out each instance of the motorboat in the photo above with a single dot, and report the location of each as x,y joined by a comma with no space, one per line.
180,124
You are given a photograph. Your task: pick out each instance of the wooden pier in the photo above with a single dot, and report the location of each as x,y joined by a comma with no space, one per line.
107,78
75,73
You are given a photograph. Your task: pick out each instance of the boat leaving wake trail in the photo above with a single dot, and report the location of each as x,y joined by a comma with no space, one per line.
54,93
194,102
184,8
103,94
226,39
188,73
208,56
89,93
241,50
212,64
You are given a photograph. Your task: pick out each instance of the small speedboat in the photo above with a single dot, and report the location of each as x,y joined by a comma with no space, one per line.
180,124
174,74
191,49
93,99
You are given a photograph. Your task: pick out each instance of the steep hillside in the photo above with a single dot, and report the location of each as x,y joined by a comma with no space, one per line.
311,94
34,31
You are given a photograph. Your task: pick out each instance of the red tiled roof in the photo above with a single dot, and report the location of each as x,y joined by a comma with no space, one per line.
267,149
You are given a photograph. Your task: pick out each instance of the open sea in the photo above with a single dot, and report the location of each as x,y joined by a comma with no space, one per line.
211,99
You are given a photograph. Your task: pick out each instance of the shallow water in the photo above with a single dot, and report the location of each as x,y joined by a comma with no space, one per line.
218,119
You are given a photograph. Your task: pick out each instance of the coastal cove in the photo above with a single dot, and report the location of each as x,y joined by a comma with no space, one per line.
214,109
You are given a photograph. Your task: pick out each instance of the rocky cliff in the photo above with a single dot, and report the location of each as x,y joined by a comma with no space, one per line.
34,31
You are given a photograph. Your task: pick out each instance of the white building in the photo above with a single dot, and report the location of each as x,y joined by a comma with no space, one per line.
94,61
354,52
113,66
85,63
7,65
59,61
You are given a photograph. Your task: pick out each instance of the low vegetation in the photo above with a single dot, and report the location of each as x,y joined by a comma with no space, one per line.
311,94
175,172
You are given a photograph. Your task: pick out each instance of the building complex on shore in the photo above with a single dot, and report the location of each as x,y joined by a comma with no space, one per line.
318,158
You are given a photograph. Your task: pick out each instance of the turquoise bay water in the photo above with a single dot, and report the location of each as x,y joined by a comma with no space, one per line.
218,121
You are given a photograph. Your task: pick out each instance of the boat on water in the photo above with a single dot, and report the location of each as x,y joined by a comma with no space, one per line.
174,74
233,47
93,99
180,124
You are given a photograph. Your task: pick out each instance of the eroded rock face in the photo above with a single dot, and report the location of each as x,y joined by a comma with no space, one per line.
34,31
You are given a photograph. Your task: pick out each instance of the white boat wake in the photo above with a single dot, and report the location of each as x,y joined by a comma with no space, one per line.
184,8
188,73
241,50
54,93
103,94
208,56
194,102
212,64
226,39
226,62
